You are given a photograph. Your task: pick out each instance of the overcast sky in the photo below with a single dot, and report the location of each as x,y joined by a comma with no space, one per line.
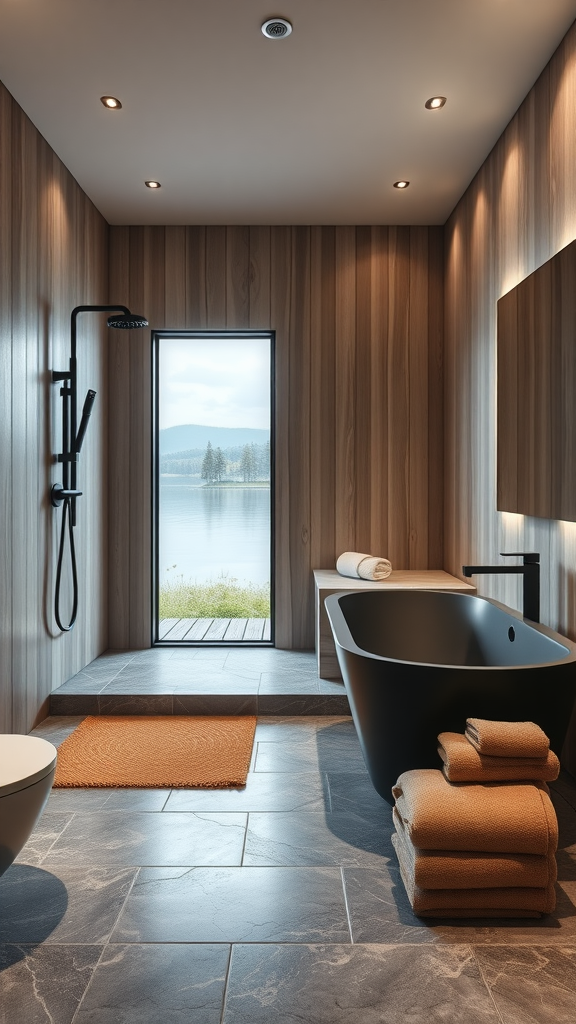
220,382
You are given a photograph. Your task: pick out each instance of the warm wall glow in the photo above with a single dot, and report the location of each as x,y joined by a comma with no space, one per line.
567,529
513,270
511,519
563,158
55,214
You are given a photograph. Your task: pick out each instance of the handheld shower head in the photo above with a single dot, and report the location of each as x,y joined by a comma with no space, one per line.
127,321
86,412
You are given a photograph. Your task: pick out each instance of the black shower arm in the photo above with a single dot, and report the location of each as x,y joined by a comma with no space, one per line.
66,375
69,391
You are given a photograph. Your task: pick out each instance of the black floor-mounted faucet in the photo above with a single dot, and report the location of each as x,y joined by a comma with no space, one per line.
530,570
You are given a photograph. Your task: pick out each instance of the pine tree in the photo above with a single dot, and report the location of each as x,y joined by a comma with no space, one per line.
207,473
219,464
247,463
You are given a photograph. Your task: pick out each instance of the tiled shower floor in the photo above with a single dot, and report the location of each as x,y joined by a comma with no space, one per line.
203,680
277,904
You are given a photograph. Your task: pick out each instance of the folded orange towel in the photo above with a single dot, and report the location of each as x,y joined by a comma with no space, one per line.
507,739
463,763
473,902
494,817
446,869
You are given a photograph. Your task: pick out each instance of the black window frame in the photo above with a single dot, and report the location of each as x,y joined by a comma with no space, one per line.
157,336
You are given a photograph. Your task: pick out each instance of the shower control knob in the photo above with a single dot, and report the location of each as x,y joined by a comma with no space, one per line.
58,494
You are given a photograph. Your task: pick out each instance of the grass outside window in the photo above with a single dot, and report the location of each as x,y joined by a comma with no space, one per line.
223,598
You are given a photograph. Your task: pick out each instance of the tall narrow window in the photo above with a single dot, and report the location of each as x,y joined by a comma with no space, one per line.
213,484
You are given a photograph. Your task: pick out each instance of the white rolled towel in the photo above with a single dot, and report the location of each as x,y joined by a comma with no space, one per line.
364,567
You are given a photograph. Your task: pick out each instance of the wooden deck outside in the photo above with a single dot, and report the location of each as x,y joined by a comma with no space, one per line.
214,629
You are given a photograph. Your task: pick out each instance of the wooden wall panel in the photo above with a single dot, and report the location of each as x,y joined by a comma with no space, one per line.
359,433
517,213
54,251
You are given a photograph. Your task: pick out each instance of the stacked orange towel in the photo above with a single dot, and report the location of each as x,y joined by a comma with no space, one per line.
464,763
483,846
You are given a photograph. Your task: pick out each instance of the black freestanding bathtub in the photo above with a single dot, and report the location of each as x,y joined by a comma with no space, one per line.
418,663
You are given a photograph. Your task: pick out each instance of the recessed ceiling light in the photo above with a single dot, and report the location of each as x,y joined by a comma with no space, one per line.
153,184
111,102
276,28
435,102
401,184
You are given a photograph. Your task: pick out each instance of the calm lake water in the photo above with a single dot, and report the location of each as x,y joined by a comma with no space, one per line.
205,531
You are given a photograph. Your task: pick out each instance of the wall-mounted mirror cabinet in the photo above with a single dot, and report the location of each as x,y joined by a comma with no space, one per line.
536,439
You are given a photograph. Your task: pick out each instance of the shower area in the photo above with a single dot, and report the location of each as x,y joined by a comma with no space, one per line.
213,488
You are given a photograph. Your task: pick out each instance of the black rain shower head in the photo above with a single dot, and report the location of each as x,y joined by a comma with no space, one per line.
127,321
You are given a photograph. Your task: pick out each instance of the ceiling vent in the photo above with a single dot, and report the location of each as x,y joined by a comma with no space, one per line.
277,28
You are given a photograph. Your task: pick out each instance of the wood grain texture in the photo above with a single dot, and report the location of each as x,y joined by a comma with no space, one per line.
54,253
359,436
518,212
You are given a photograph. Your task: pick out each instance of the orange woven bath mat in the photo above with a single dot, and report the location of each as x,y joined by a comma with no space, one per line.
169,751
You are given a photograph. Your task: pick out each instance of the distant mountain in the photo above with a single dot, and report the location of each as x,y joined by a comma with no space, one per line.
194,435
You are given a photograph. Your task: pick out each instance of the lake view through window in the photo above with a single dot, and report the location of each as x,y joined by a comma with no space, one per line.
213,486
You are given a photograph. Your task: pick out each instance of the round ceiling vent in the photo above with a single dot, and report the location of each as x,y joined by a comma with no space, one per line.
277,28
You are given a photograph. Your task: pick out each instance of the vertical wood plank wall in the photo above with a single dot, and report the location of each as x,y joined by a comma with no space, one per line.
53,256
518,212
358,315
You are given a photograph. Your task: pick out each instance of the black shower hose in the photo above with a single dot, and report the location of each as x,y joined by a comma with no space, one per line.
66,514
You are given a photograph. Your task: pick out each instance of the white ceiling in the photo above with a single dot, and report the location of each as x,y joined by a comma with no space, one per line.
239,129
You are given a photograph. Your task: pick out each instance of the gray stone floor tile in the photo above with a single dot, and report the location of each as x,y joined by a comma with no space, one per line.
295,728
157,984
152,654
287,682
316,838
165,671
379,909
332,686
262,792
302,704
108,799
380,912
353,791
44,985
298,984
112,654
115,837
73,703
83,683
270,658
105,799
138,686
556,929
136,799
57,728
69,799
235,905
216,655
66,904
215,704
530,985
47,831
118,704
320,755
216,682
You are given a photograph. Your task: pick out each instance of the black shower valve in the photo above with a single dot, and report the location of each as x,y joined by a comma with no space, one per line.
58,494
